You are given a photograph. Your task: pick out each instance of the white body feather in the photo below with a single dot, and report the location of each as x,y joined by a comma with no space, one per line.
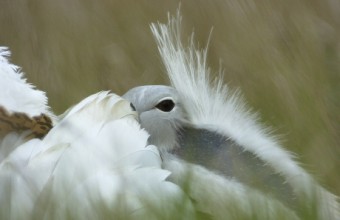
93,164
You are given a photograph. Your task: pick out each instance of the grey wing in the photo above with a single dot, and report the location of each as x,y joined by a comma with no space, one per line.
223,155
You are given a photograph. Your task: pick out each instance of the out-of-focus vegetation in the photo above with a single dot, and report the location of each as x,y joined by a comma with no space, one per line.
283,55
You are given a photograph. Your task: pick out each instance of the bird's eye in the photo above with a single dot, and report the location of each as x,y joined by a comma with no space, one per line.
166,105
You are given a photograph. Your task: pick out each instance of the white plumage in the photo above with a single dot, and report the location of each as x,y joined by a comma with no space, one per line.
98,163
94,163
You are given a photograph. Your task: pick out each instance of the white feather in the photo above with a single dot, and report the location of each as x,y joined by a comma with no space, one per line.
16,94
212,105
93,164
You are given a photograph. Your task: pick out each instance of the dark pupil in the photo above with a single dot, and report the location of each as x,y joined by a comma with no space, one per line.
166,105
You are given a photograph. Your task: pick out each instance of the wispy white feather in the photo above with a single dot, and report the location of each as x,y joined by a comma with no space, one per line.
211,104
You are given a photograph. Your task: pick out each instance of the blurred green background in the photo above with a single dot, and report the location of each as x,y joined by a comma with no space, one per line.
283,55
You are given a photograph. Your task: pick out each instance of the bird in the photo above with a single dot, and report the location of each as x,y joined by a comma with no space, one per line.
207,134
95,161
191,150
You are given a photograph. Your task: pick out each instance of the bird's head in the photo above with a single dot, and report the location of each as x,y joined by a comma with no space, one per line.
160,112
